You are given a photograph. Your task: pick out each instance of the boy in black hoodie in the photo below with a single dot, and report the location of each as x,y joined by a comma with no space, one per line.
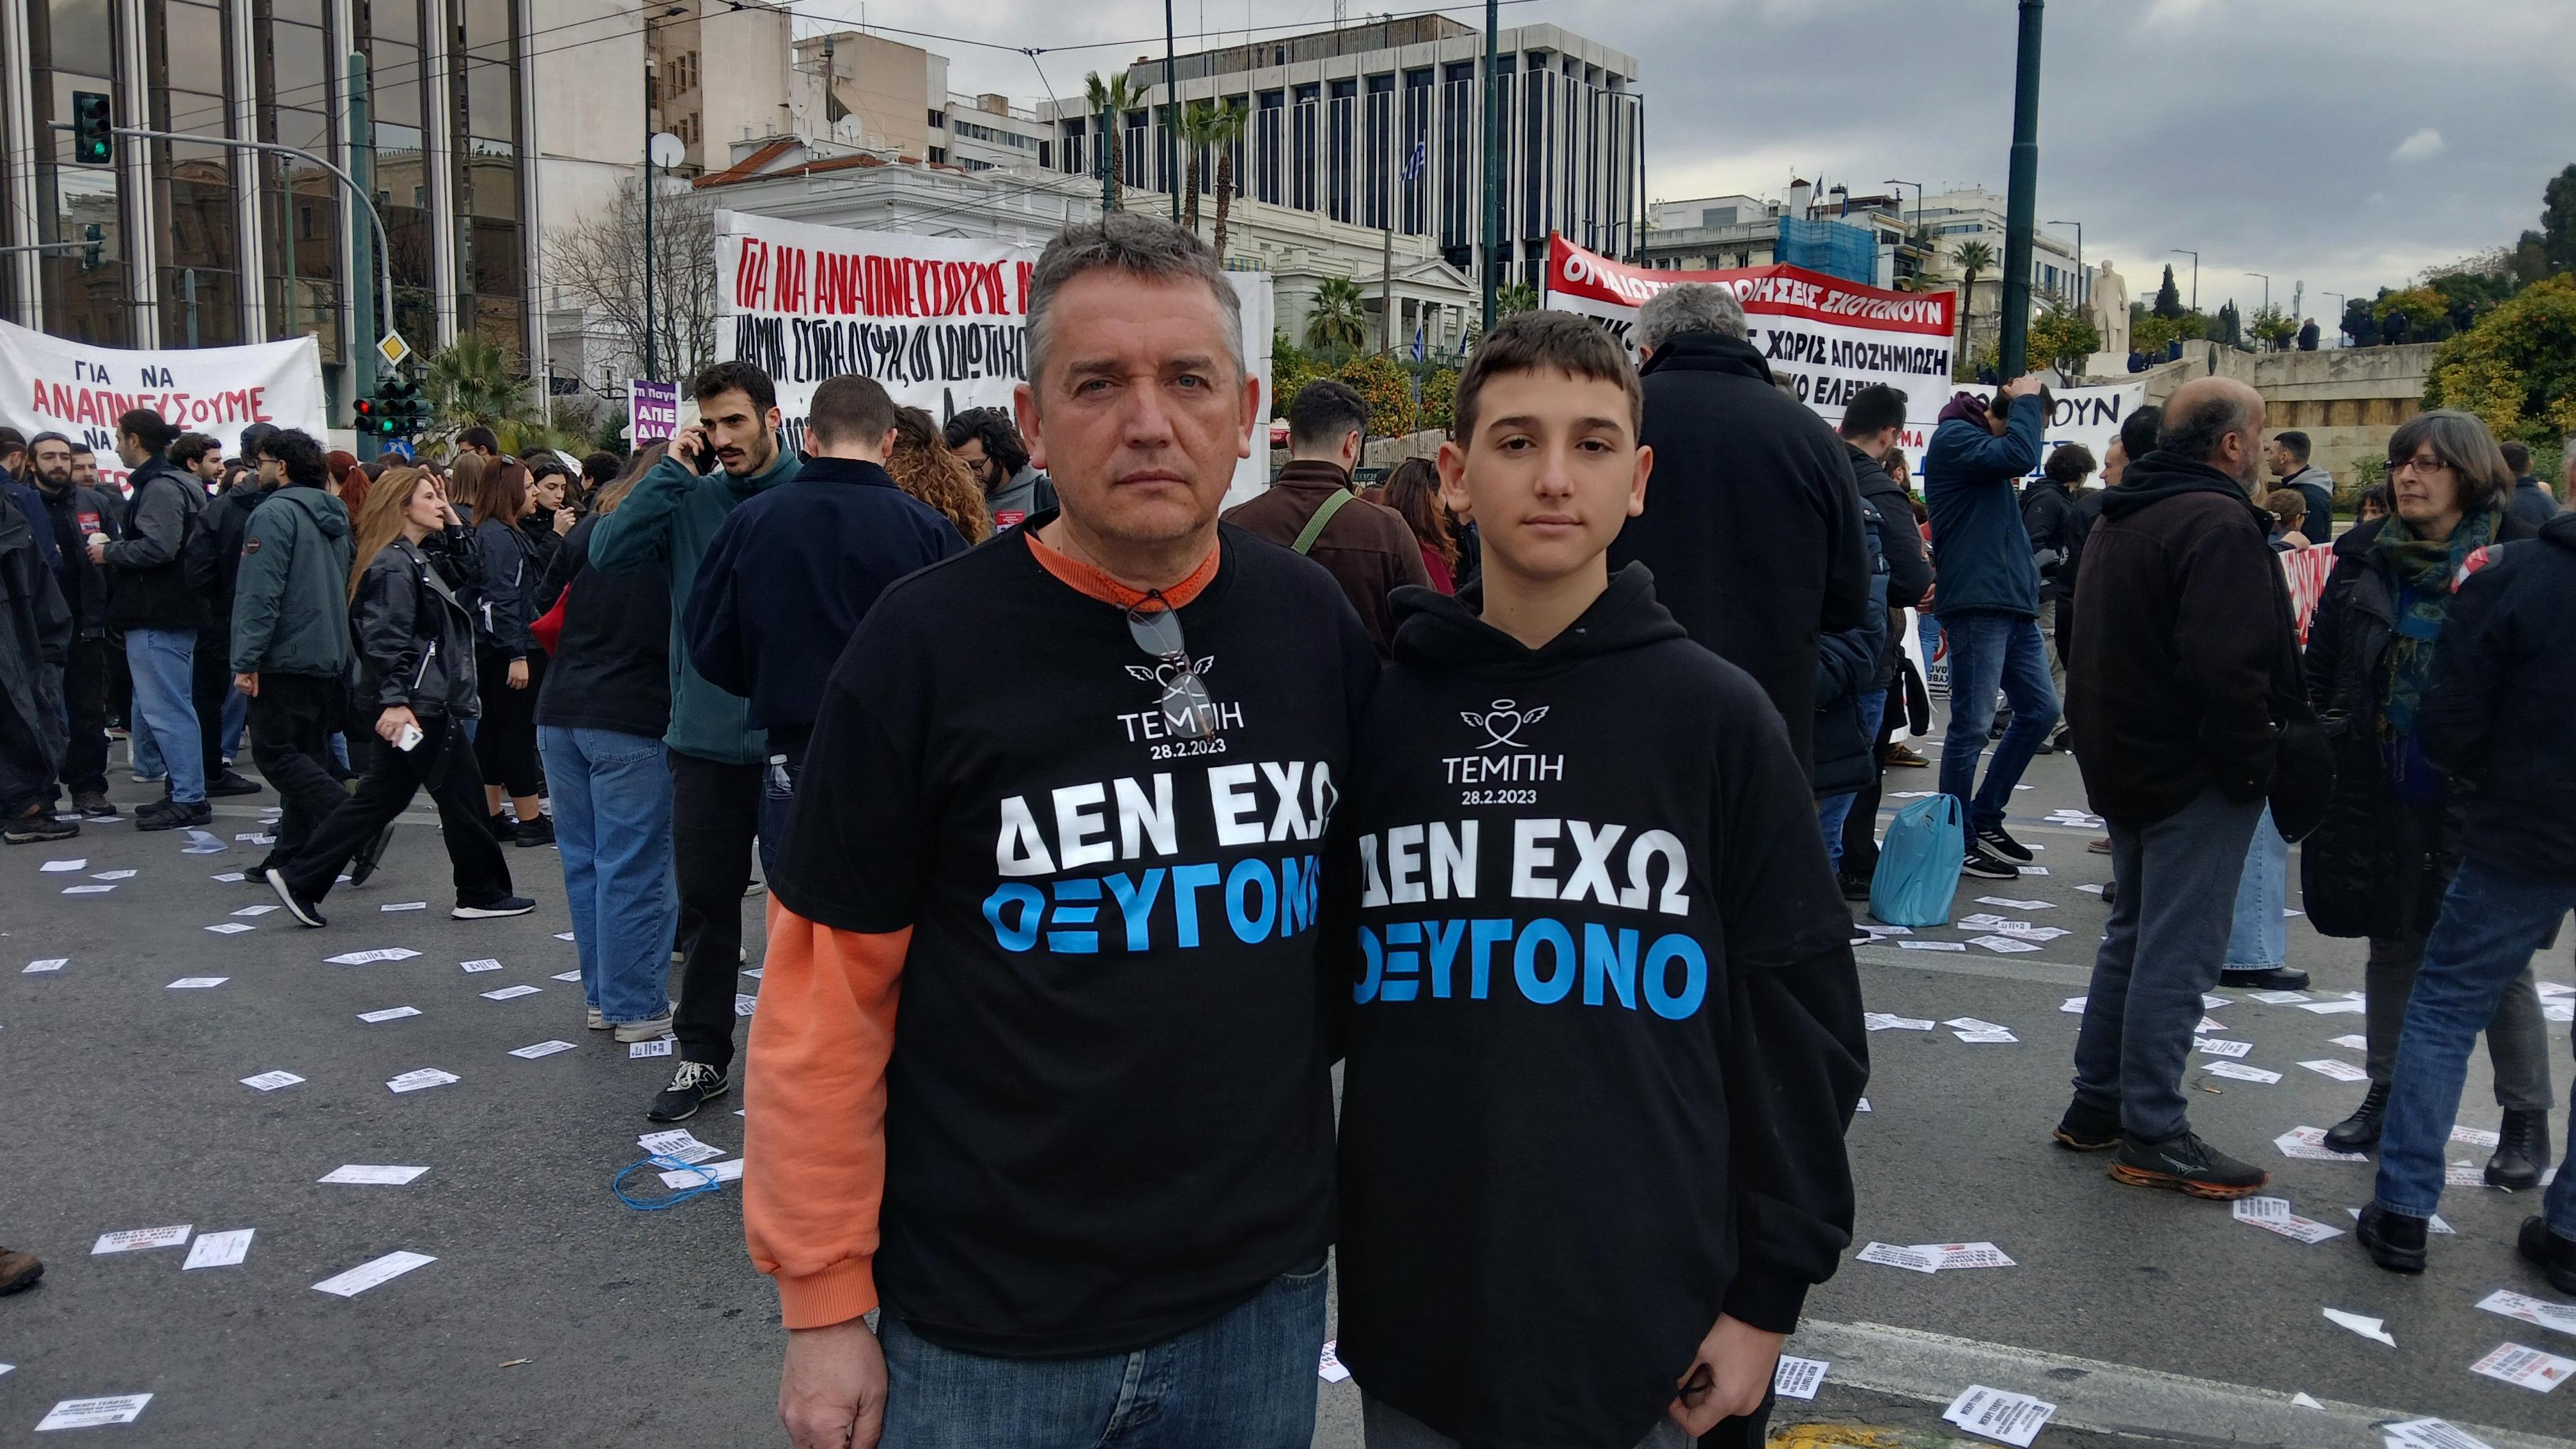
1606,1033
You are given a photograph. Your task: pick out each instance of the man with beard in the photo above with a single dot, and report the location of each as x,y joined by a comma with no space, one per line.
73,515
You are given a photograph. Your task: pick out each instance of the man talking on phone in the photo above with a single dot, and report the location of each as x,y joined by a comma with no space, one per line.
732,452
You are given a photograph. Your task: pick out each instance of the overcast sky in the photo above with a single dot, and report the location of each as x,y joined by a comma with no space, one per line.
2348,144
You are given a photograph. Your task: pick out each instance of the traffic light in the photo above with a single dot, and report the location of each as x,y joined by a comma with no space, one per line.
395,411
93,247
93,129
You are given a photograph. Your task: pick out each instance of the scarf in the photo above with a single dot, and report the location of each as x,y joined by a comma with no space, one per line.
2424,570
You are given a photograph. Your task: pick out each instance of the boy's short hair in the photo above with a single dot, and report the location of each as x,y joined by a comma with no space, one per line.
2139,429
1872,410
2516,456
2070,465
849,407
191,449
1546,342
2293,442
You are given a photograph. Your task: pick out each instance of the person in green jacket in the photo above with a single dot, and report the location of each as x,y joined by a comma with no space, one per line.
290,636
733,451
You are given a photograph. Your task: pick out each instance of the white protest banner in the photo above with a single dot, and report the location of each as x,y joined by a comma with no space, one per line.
1827,337
2090,416
942,322
53,385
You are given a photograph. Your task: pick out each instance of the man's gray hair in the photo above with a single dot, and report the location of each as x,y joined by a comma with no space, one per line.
1144,247
1689,307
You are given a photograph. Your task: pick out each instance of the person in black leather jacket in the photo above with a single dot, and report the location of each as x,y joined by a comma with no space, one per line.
506,655
416,670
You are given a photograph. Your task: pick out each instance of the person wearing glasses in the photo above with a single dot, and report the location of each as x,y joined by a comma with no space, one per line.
1067,797
791,573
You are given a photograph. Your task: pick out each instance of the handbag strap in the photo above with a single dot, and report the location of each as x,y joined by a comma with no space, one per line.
1314,528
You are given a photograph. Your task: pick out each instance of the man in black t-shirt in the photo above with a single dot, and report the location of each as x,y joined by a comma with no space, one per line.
1090,1177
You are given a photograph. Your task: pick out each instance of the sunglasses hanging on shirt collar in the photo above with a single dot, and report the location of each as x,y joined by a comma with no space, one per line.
1187,710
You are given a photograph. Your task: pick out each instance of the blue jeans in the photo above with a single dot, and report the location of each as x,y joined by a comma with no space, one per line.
1833,809
162,661
2260,939
2490,924
778,776
612,797
145,754
1245,1380
236,720
1988,650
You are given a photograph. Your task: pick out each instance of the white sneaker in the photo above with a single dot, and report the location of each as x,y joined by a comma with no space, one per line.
597,1021
653,1030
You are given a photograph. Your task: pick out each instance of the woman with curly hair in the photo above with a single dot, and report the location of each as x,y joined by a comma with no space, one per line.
924,467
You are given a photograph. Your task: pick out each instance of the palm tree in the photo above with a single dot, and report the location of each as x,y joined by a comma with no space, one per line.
1972,257
1196,121
1225,128
1514,299
471,384
1110,101
1340,315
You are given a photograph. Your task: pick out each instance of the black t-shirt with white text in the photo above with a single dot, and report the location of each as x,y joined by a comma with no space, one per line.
1109,1108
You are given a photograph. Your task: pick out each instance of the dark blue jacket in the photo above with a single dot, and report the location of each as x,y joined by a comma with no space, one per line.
1970,480
2495,715
790,574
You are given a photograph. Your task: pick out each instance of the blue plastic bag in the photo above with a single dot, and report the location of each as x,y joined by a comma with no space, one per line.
1918,865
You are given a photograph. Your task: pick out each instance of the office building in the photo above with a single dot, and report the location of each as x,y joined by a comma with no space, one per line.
1381,125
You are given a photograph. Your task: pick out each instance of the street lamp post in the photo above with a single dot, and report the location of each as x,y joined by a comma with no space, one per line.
1171,119
2267,290
2195,275
1917,220
1493,160
2021,199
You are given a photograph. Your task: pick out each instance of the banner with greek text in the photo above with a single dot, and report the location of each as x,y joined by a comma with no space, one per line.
652,411
49,384
942,322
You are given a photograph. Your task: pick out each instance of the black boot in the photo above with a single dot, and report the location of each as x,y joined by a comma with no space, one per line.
2360,1131
2393,1240
2553,1255
2522,1153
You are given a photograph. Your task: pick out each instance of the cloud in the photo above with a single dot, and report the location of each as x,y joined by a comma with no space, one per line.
2422,146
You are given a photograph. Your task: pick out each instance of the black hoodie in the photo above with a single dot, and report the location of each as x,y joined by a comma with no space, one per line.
2504,687
2186,651
1607,1029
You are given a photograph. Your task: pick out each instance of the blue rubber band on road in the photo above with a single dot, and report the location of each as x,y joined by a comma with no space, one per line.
617,1184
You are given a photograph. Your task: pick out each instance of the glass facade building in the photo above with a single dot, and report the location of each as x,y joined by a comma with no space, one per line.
201,244
1338,116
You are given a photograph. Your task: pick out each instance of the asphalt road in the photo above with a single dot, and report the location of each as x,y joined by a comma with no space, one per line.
554,1315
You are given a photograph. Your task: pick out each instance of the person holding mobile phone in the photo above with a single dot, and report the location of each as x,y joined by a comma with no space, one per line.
416,671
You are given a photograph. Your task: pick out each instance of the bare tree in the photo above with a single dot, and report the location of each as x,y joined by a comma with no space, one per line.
597,265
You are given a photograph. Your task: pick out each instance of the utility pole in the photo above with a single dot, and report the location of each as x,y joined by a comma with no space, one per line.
1171,119
2195,275
2267,290
652,354
1493,161
2021,204
362,169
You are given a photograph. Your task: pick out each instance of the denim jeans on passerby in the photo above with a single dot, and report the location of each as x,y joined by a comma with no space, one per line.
1244,1380
140,750
1831,810
779,774
612,799
2260,940
2168,931
2490,924
162,661
236,720
1991,650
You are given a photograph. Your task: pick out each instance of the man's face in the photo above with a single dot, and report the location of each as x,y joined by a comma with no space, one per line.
1552,472
209,465
2280,461
986,471
85,468
744,437
54,464
131,451
13,462
271,471
2247,467
2115,461
1141,412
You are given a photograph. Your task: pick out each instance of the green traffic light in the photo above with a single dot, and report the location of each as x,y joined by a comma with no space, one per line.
93,129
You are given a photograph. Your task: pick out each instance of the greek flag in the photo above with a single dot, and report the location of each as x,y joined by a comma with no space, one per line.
1413,161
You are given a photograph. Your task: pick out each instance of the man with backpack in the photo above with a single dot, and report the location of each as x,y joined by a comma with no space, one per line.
148,597
1366,547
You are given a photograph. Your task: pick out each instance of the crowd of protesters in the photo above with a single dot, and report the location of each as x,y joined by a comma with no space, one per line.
1147,820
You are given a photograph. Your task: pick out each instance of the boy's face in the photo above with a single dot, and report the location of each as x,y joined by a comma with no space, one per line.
1551,474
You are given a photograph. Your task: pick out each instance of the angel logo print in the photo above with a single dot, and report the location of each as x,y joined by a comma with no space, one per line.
1502,723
